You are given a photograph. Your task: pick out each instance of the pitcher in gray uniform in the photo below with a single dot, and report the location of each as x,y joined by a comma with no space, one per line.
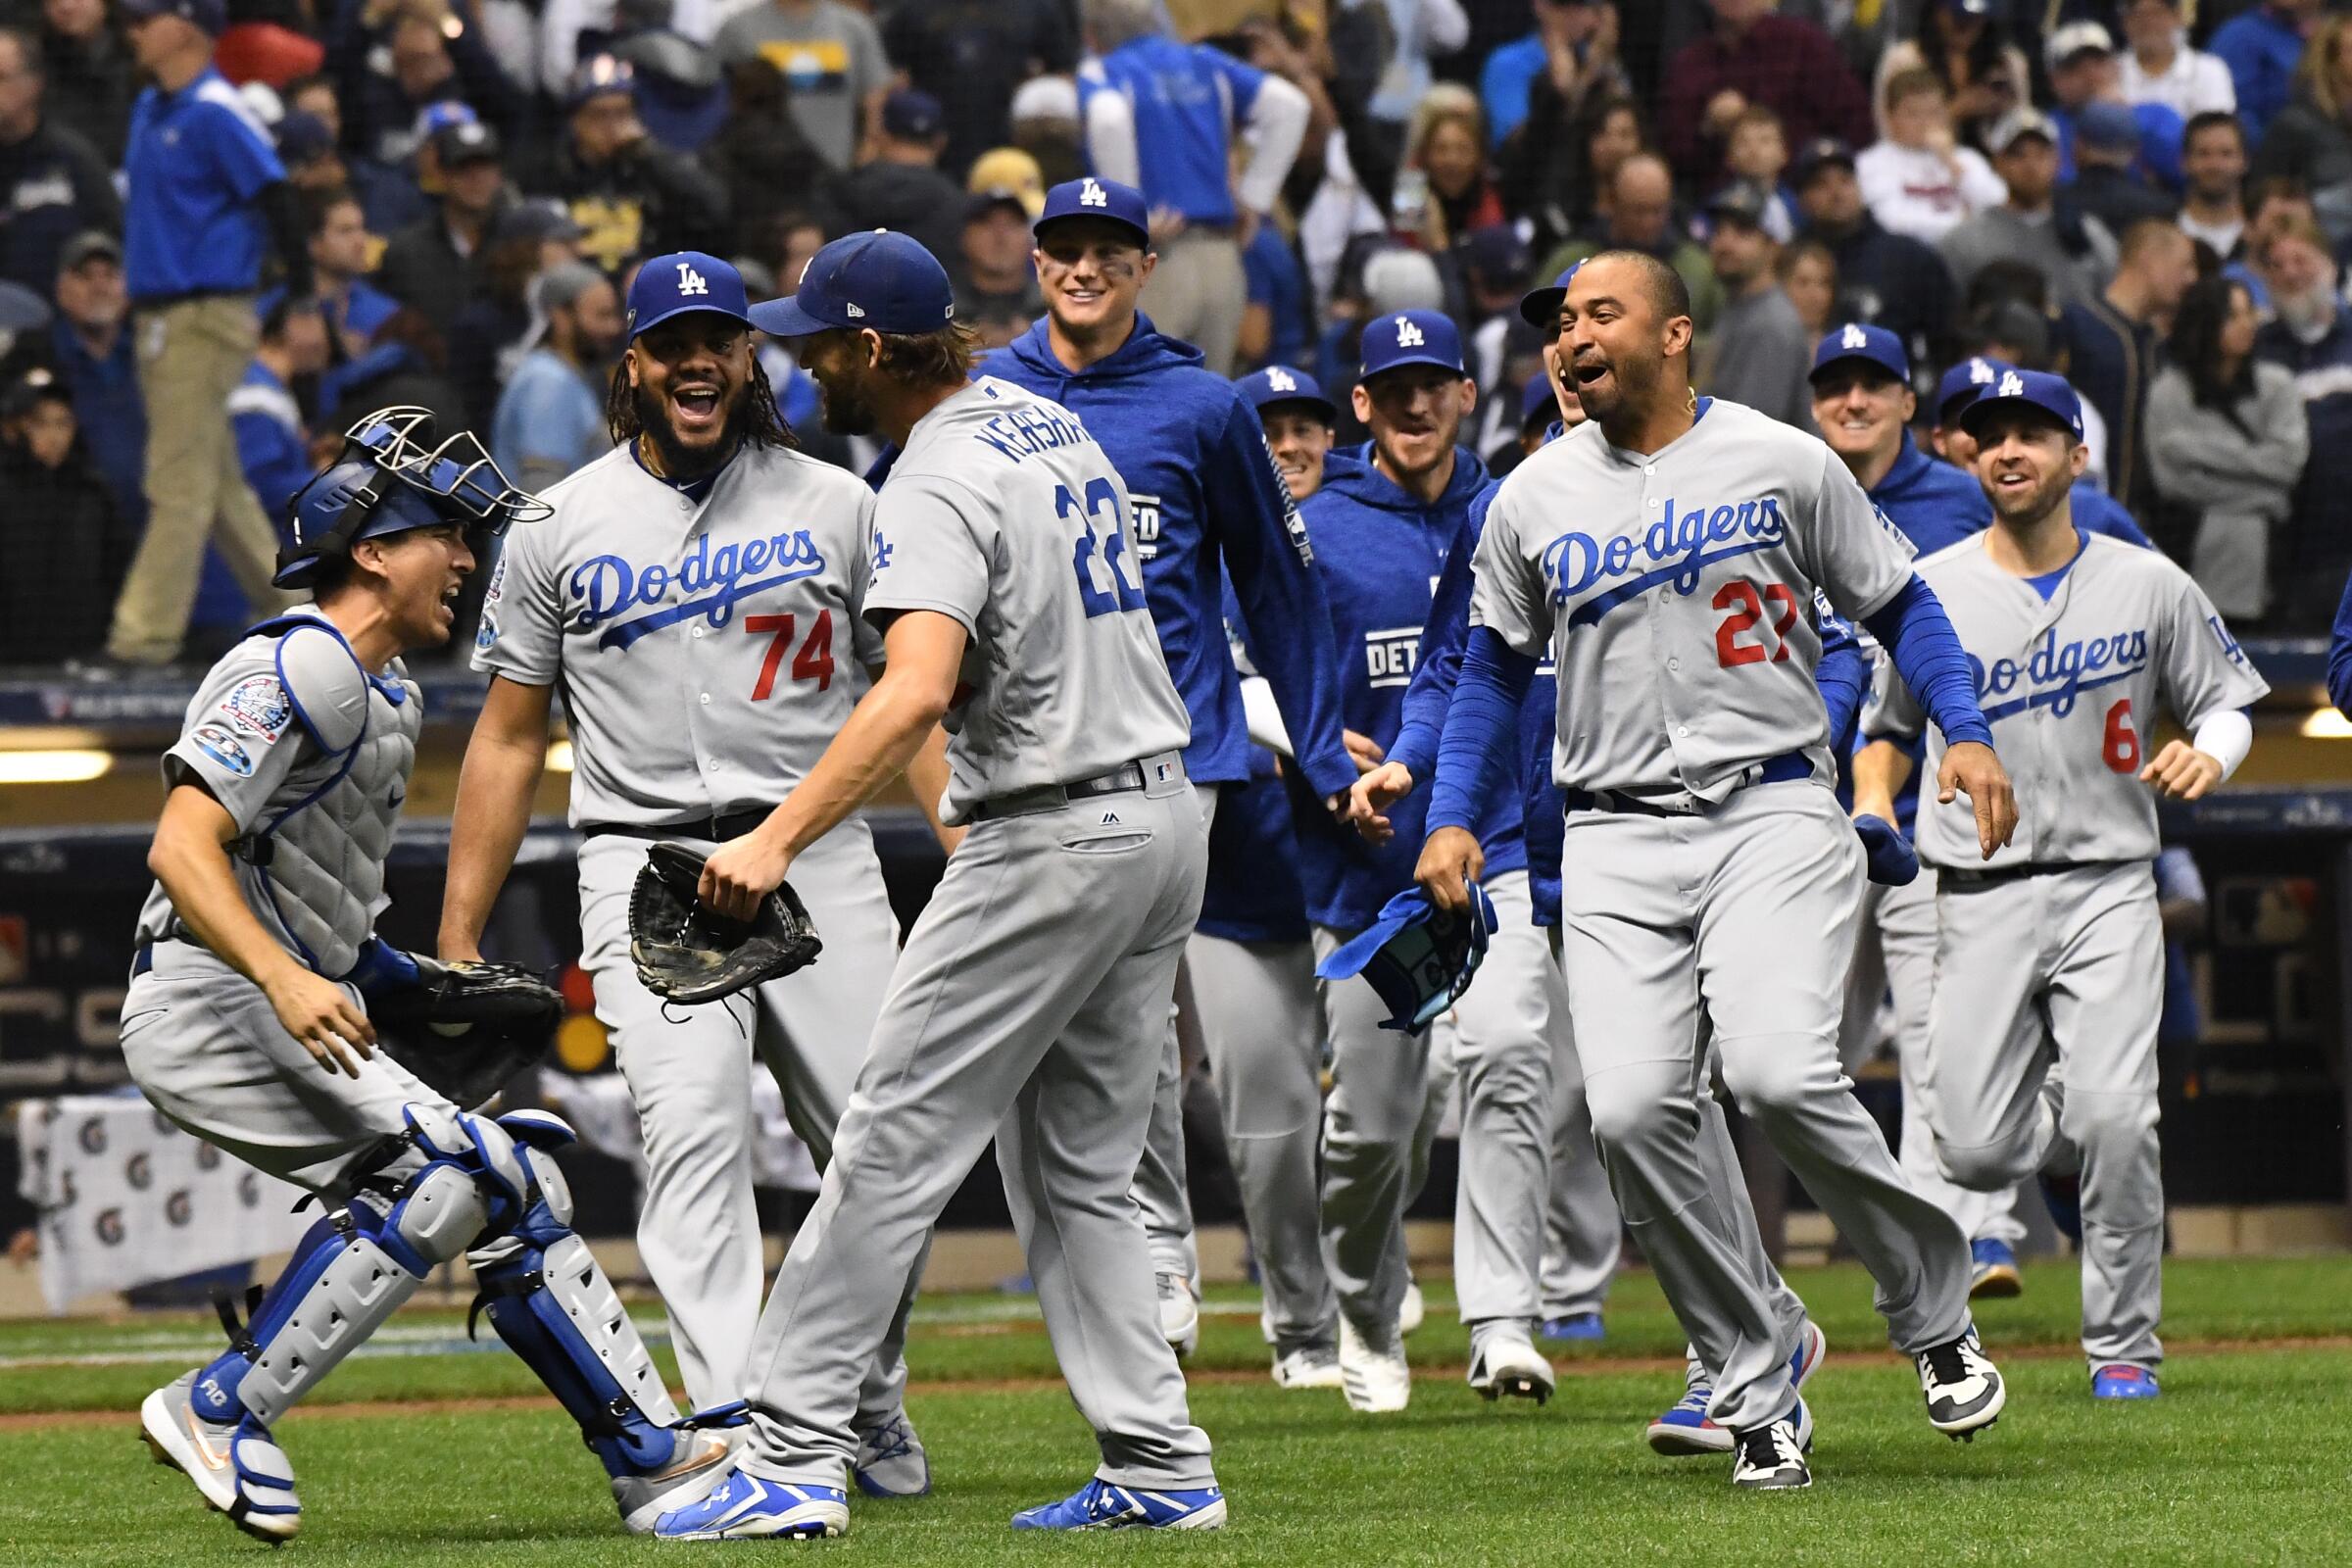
247,1017
1668,549
2050,957
1005,585
696,595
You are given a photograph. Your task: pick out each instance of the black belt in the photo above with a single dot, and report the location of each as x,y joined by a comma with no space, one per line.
1120,780
710,830
1978,875
1782,770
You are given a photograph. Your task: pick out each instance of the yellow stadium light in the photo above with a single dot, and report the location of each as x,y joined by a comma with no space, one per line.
558,757
54,767
2327,724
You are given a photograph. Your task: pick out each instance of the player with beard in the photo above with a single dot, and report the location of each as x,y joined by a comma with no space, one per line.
696,593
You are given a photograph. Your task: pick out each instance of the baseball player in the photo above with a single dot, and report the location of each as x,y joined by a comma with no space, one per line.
2049,954
1194,460
1668,548
1004,582
2095,510
247,1017
696,595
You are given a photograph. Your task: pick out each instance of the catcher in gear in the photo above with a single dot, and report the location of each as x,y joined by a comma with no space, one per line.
689,953
465,1029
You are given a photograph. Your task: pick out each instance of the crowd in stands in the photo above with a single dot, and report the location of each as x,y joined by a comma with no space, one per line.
228,227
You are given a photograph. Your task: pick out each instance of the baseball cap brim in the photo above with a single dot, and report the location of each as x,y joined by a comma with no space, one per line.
1142,237
639,329
1886,371
1986,408
1541,307
1329,410
784,317
1407,361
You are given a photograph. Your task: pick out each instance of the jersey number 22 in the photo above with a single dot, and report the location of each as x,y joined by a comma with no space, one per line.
1102,538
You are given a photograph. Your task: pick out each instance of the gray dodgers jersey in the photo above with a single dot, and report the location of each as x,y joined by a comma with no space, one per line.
1675,590
708,651
1004,513
2071,686
297,743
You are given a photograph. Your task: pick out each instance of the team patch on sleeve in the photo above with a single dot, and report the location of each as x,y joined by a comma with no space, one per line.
224,748
258,707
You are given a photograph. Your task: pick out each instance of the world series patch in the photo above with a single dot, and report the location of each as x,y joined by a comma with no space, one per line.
258,706
224,748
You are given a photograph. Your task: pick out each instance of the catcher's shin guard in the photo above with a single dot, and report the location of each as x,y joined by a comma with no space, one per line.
551,1303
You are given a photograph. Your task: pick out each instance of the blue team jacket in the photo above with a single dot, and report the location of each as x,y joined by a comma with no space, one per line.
1204,489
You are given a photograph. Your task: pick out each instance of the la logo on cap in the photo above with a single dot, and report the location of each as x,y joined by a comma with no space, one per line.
1408,336
1281,380
1854,337
2012,387
1979,372
1091,194
691,281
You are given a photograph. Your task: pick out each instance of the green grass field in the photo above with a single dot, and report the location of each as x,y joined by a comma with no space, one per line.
422,1454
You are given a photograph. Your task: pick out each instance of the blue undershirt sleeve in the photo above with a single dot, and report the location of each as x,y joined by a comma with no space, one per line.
1482,729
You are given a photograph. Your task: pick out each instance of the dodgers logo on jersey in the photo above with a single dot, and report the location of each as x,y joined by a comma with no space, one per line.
223,748
258,706
608,586
1675,550
2056,675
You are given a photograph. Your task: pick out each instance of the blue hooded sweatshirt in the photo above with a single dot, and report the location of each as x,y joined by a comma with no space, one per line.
1382,554
1252,893
1206,492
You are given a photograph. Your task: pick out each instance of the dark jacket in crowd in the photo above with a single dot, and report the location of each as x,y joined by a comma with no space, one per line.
2119,198
2319,542
1892,280
912,199
421,269
641,202
90,85
61,557
52,187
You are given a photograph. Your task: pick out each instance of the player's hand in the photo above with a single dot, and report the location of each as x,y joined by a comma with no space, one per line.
317,1011
1364,750
2181,772
1373,794
741,872
1970,769
1449,860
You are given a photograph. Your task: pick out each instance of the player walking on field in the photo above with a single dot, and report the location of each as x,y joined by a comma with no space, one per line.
1667,548
1025,1007
696,595
2049,954
247,1021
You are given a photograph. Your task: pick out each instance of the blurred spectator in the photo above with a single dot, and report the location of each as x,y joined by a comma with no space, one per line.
1008,168
1045,128
2274,207
407,362
61,548
431,264
91,75
761,156
2261,45
1759,155
55,186
406,55
1444,192
91,349
353,307
1276,321
551,419
1889,280
2227,442
1919,180
2072,255
1164,117
1501,349
2111,341
1559,183
273,446
525,239
1543,81
1417,30
681,90
205,191
2158,66
563,24
389,201
1967,44
2108,185
630,195
2212,169
1642,217
834,68
2312,338
900,186
1753,56
1761,352
969,53
1808,275
2080,57
2310,140
996,282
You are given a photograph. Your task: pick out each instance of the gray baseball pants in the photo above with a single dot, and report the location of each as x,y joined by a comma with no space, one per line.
1162,1190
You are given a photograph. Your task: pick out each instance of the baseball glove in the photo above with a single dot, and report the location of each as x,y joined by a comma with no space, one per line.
464,1030
690,954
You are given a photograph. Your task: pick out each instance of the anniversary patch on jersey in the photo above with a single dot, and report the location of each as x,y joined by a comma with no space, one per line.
1675,549
258,706
2055,674
224,748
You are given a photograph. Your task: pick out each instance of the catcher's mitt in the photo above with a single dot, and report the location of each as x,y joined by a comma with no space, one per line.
690,954
466,1029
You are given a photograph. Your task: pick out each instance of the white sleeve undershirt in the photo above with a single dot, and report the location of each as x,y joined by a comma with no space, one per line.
2225,737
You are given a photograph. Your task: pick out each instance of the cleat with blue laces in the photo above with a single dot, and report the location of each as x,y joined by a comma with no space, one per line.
1993,1271
749,1508
1576,1326
891,1462
1100,1505
2121,1382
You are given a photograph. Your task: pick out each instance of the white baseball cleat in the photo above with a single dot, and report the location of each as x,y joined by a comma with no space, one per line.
1375,1381
749,1508
238,1468
700,1462
1963,1390
891,1462
1771,1457
1508,1365
1311,1366
1179,1313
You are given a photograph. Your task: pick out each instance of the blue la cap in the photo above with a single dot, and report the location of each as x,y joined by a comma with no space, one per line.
1410,337
1417,959
1964,381
1858,341
1538,397
1279,384
684,281
881,281
1541,307
1098,198
2034,389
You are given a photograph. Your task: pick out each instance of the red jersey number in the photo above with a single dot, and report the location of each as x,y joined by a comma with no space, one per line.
1747,609
814,661
2119,747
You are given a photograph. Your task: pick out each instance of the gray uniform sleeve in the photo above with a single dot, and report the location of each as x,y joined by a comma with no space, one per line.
245,729
1850,551
1889,713
522,621
1507,591
932,548
866,639
2205,671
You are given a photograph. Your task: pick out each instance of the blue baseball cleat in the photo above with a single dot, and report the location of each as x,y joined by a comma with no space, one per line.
1100,1505
2121,1382
748,1507
1993,1271
2063,1195
1686,1430
1585,1326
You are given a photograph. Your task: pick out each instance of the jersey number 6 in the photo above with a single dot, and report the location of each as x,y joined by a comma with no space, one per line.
1105,540
814,661
1738,596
